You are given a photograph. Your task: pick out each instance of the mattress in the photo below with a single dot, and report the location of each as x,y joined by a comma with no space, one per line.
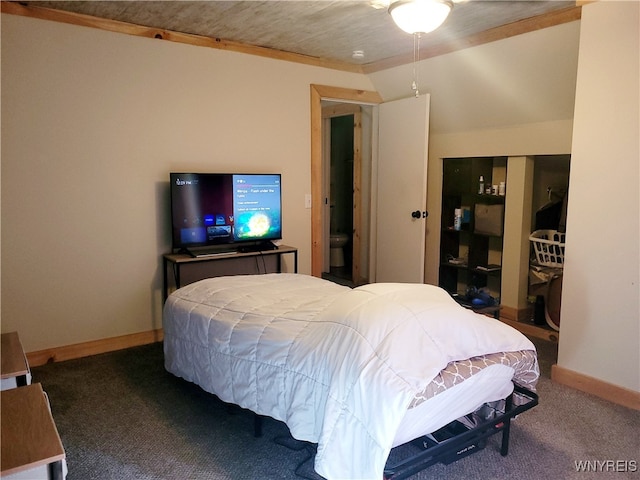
356,371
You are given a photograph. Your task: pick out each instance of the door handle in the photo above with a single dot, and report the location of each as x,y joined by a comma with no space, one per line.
419,214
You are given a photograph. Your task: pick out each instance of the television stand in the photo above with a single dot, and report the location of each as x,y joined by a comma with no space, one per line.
258,247
197,252
224,263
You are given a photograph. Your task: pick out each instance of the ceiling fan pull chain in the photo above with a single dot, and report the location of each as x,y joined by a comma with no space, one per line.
416,57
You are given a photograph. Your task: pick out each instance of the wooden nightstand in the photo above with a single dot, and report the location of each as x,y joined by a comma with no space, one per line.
13,364
30,440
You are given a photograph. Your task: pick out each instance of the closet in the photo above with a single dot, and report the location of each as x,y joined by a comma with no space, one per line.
490,206
548,221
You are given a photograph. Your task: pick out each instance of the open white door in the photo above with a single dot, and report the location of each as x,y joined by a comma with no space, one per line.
403,138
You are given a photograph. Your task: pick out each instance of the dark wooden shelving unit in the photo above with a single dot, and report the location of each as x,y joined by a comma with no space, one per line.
461,190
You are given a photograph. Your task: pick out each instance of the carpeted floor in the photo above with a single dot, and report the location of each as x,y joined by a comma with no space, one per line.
122,416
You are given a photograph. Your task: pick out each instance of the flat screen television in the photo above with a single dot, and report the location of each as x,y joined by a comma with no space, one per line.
217,212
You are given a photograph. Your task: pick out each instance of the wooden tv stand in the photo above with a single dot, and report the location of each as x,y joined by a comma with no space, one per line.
227,263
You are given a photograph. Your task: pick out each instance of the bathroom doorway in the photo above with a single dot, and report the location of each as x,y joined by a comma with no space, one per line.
341,190
375,259
341,198
347,167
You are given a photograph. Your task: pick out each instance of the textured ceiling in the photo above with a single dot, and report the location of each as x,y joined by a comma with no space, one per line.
330,30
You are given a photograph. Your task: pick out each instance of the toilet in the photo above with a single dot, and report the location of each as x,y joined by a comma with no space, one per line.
337,241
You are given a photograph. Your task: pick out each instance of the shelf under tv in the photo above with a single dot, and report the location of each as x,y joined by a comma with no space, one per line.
226,249
232,261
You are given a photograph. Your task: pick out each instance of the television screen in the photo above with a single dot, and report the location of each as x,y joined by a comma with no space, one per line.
257,207
221,209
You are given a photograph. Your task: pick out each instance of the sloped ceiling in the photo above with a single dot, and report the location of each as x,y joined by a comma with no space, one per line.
526,79
331,30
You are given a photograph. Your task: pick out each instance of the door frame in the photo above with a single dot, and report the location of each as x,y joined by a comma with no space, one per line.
317,94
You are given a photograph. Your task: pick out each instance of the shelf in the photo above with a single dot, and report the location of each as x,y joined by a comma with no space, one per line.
488,235
487,198
453,230
464,266
489,268
492,310
460,191
455,265
227,263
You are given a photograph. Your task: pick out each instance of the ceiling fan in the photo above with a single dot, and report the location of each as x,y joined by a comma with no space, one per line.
416,17
419,16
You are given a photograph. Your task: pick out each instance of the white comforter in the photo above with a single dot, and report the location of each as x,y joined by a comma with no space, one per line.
338,366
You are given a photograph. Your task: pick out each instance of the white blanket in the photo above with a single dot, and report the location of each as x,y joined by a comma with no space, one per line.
338,366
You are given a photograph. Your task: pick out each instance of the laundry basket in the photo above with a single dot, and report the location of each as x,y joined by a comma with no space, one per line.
549,247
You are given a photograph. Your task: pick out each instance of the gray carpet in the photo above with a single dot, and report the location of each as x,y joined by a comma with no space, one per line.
121,416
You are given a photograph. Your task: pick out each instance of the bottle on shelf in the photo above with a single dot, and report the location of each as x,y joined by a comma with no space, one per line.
457,221
481,188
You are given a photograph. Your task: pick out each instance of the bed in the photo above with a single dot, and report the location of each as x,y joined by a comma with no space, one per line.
355,371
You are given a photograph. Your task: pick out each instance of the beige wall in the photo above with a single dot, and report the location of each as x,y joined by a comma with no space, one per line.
92,124
600,329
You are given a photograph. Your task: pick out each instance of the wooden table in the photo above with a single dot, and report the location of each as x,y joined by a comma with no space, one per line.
13,364
29,435
182,260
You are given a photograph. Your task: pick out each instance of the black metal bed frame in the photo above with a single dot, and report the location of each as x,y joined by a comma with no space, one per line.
467,441
456,439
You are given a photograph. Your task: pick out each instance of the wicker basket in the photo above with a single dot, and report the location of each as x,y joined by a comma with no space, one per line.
549,247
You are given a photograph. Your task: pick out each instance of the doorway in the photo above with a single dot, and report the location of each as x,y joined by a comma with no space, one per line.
347,132
340,99
399,129
548,220
341,201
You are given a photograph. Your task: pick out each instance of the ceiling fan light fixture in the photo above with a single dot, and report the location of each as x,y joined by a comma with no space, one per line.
420,16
